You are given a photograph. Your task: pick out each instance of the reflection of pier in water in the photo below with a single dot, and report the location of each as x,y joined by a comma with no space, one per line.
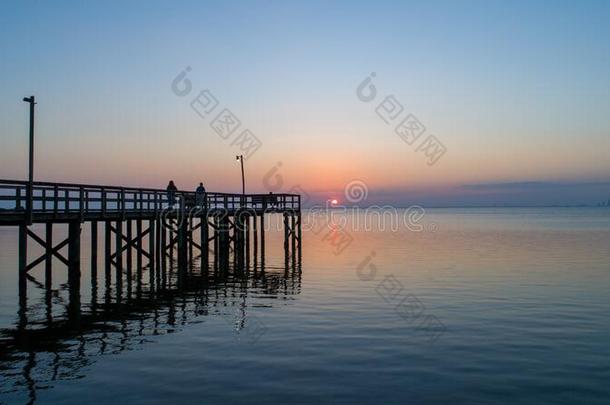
45,347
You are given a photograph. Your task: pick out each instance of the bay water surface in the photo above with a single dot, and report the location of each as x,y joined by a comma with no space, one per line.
479,306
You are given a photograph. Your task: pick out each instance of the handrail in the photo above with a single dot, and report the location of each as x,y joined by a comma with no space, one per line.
67,198
76,186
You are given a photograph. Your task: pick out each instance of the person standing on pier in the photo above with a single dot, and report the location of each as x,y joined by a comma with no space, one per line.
171,193
200,195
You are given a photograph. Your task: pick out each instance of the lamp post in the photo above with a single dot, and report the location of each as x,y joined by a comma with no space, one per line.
30,188
243,179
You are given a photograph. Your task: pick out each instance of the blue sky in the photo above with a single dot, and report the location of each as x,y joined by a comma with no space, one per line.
516,91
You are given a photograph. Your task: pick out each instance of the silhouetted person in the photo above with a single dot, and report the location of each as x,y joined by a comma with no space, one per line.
200,195
272,200
171,193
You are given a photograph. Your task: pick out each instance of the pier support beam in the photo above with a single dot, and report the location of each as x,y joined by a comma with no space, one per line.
189,228
216,241
23,262
48,268
107,252
239,235
255,240
293,238
139,245
152,233
286,236
247,239
164,231
223,242
74,269
93,250
118,258
205,245
74,248
263,240
182,245
129,251
299,235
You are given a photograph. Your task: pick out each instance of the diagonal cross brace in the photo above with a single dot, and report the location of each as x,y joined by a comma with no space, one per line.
54,251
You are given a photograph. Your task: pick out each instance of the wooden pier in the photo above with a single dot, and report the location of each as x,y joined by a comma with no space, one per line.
220,229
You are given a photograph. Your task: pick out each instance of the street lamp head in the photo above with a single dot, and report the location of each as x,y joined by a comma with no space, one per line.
29,99
237,157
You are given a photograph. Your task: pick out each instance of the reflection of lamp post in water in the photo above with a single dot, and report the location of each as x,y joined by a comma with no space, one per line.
243,179
30,188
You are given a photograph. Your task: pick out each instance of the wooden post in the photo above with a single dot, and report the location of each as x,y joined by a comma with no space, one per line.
103,202
216,241
238,241
129,250
164,233
247,236
182,246
122,203
293,236
48,270
235,241
23,260
129,253
263,239
170,235
74,252
107,251
255,238
139,246
224,242
160,245
286,231
93,250
74,269
81,204
118,246
55,200
94,237
18,198
74,246
189,240
205,247
66,201
286,236
29,202
152,251
299,232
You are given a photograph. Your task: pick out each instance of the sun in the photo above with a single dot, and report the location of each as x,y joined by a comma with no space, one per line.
334,201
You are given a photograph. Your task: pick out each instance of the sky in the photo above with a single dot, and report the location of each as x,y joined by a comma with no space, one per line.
516,95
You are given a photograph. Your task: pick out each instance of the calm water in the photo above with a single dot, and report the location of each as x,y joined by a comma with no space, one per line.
482,306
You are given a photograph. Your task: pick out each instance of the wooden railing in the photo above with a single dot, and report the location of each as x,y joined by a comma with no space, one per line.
65,198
